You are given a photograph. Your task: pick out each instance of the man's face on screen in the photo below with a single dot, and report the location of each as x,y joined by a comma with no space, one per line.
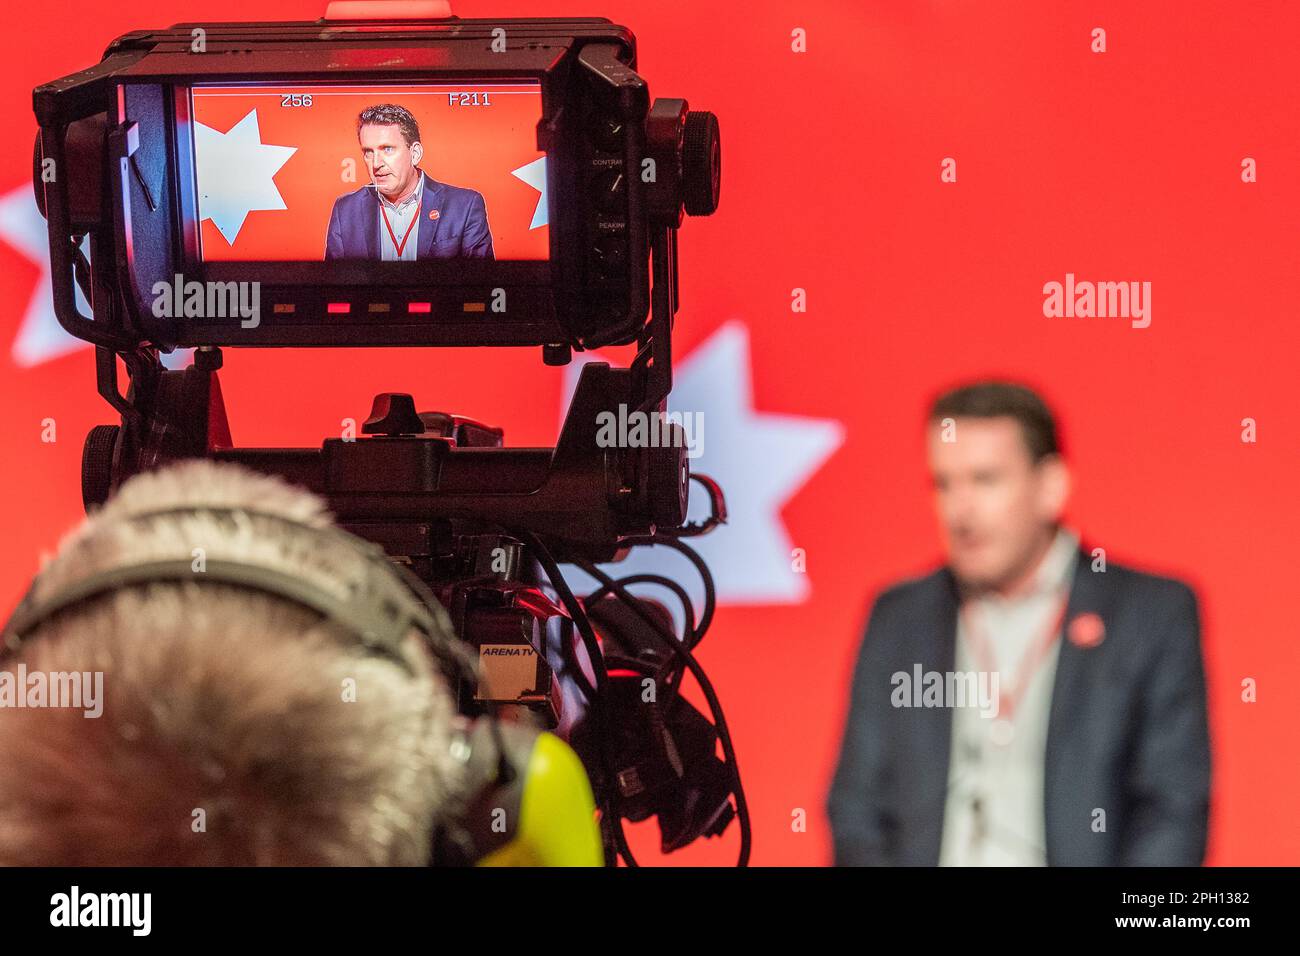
390,159
995,506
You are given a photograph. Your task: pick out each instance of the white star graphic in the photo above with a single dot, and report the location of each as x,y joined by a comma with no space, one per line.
40,337
236,174
534,174
760,459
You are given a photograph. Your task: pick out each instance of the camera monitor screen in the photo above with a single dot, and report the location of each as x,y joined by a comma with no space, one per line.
378,173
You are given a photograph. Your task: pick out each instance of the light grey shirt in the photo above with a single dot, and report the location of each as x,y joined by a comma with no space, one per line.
400,218
993,815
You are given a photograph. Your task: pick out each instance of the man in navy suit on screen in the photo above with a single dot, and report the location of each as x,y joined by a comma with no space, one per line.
403,215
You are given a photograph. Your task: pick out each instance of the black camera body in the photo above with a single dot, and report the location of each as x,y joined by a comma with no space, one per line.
478,526
116,159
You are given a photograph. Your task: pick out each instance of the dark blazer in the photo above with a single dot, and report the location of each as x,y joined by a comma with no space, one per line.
1127,731
461,228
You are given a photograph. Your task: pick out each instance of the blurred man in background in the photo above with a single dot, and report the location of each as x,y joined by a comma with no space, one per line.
1092,747
237,727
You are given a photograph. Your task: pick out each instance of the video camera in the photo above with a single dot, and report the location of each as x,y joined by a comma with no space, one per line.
423,180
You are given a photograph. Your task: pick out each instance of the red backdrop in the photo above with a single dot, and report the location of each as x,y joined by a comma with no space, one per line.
1123,165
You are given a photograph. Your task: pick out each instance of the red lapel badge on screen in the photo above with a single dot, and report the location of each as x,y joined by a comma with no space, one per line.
1087,630
433,214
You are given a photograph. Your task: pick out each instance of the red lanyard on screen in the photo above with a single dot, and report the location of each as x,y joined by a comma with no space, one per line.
399,246
1029,666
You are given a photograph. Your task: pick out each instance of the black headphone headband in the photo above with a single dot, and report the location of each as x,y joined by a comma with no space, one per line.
381,608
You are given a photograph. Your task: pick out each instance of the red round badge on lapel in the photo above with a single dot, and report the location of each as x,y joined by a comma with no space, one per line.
433,214
1087,630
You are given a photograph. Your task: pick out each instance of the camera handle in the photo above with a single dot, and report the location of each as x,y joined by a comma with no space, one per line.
388,10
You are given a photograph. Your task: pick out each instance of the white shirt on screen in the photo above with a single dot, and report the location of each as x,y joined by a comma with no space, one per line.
400,219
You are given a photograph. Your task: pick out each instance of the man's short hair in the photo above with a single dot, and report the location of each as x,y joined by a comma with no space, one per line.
237,727
390,114
1003,400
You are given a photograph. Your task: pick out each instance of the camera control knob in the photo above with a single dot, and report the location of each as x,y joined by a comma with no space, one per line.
609,190
701,163
608,134
393,414
610,255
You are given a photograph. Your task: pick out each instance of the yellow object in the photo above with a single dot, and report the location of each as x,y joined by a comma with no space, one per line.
557,814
